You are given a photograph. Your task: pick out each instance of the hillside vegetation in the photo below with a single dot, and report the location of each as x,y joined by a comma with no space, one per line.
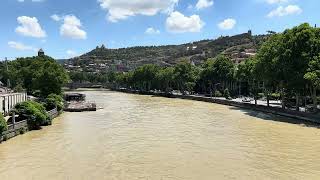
197,52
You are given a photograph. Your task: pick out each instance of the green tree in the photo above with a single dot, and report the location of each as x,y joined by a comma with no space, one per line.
165,79
217,71
313,77
266,64
246,72
144,76
185,76
54,101
224,70
79,77
283,60
3,124
41,73
226,94
49,77
35,113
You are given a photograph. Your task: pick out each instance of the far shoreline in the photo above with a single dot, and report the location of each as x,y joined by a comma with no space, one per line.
296,117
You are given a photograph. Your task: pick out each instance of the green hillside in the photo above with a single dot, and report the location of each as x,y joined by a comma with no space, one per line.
197,52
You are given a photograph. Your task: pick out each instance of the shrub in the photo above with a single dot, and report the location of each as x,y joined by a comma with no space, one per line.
3,124
54,101
50,104
260,95
18,88
226,94
275,96
35,113
218,94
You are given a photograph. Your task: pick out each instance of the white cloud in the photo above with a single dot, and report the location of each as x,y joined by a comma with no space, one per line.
29,26
190,6
71,53
55,17
32,0
179,23
285,11
227,24
20,46
152,30
122,9
276,1
71,28
204,4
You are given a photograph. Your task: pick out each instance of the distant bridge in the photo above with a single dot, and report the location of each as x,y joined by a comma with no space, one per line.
74,85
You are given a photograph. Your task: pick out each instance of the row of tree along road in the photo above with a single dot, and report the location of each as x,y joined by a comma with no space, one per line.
286,67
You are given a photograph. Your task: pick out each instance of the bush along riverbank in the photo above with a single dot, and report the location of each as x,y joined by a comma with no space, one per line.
31,115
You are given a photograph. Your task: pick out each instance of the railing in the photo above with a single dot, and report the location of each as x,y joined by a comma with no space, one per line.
14,130
17,125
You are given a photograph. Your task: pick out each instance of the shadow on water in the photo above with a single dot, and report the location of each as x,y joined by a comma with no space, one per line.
276,118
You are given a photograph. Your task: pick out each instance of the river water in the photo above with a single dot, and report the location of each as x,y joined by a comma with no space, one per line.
142,137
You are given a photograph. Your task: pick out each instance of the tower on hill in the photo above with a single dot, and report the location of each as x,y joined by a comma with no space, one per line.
41,52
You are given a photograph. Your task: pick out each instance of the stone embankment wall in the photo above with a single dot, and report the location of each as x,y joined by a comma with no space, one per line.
14,130
53,113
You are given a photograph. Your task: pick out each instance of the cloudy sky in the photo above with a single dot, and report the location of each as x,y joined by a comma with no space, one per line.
67,28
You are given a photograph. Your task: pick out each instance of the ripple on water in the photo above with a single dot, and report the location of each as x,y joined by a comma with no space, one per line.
143,137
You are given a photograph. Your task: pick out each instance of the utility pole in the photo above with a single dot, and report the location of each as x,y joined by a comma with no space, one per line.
8,80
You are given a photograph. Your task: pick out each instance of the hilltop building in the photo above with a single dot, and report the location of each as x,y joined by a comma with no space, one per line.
41,52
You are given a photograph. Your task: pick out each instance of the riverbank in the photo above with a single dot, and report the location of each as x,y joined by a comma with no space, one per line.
21,127
301,116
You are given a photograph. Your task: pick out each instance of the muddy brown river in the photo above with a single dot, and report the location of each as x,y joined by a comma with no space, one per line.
142,137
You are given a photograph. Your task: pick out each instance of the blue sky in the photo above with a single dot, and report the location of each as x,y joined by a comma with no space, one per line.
66,28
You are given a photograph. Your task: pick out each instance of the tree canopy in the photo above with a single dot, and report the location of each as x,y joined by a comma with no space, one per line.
36,74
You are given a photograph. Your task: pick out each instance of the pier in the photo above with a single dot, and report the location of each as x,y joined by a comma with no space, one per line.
75,102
